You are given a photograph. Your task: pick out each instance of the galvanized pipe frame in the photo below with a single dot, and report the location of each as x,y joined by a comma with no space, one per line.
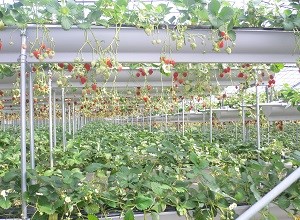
50,120
23,60
31,120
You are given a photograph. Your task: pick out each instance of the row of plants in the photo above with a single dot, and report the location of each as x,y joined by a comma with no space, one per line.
143,14
122,169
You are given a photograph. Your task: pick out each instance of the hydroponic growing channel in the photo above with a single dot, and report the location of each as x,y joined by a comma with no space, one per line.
149,109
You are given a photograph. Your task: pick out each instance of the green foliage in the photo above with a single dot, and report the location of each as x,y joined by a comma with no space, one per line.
128,169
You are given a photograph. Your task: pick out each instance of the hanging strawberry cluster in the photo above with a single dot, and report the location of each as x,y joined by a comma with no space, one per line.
144,72
225,71
166,65
223,41
104,66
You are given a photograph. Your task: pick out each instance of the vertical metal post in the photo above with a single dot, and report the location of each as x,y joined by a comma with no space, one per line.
204,124
63,117
257,117
166,120
268,123
73,119
183,112
150,119
69,118
54,118
243,118
31,120
50,120
23,121
210,119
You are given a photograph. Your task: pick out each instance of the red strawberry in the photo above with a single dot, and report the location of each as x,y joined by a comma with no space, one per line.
61,65
271,77
36,53
220,44
141,69
222,33
184,74
273,81
145,98
175,74
150,71
94,87
43,46
87,66
108,63
222,75
172,62
70,67
120,67
240,75
228,69
180,81
143,73
138,74
83,79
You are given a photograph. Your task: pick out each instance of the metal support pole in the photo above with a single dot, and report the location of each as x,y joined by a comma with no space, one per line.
69,118
257,118
54,118
23,121
150,119
203,121
183,112
268,123
73,119
63,117
166,120
210,119
50,120
243,119
31,120
264,201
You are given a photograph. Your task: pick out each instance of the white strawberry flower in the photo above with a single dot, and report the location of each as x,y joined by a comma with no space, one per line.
232,206
3,193
67,199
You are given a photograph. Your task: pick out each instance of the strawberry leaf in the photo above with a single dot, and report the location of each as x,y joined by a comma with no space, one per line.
213,7
154,216
143,202
92,217
66,23
129,215
226,14
5,203
232,35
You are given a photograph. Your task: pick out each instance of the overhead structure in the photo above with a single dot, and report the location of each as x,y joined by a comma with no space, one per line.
278,111
265,46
